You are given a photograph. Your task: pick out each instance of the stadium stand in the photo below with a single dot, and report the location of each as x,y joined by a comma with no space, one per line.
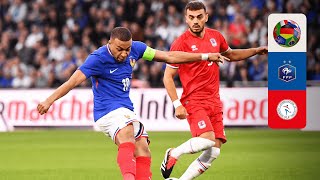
44,41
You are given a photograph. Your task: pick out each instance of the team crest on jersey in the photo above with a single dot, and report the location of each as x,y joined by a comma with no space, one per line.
132,62
127,116
213,42
202,124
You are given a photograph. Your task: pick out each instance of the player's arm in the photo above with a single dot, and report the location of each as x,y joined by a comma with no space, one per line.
77,78
168,81
241,54
176,57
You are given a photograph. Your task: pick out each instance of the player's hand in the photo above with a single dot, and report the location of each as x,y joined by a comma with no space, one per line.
217,57
43,107
181,112
262,50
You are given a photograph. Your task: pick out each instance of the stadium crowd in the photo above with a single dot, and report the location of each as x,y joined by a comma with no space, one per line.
44,41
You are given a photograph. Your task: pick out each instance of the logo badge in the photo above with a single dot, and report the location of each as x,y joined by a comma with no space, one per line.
287,72
213,42
132,62
287,109
194,48
200,171
112,71
202,124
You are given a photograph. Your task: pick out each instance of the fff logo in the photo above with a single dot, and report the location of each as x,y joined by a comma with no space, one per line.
287,72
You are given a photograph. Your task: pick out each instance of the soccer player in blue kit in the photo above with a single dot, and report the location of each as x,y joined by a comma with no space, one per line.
110,68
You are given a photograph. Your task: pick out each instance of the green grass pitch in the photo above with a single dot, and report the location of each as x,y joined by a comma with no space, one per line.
249,154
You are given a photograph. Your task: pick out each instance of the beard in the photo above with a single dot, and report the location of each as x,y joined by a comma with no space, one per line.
196,31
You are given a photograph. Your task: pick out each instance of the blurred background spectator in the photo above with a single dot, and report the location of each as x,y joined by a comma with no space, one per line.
44,41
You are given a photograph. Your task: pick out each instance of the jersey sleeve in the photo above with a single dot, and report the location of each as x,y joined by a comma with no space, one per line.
145,52
92,66
224,47
139,47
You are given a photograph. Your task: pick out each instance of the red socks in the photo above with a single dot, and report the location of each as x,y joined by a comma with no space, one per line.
143,168
133,168
127,161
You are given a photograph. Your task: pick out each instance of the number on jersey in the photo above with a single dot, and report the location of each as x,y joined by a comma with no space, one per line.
126,84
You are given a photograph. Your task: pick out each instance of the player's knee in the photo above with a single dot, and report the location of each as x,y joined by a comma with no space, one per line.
208,135
142,148
200,144
124,138
142,151
209,155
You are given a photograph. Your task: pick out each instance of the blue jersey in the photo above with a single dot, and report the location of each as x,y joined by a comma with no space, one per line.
110,79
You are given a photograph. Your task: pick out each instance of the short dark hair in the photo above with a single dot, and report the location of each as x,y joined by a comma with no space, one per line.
194,6
121,33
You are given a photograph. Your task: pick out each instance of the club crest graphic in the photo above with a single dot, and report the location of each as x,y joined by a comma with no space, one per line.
287,72
132,62
213,42
287,109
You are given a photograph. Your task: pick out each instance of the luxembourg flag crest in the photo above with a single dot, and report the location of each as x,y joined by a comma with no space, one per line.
213,42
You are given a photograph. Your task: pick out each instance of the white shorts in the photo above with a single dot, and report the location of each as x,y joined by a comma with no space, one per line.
113,122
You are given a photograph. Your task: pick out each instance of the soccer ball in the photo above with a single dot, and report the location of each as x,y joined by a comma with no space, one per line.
172,179
286,33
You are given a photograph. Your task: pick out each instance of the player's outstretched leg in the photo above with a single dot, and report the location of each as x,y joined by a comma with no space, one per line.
191,146
126,148
126,160
143,159
201,164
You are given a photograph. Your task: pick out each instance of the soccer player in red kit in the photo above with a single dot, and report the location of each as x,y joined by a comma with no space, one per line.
200,101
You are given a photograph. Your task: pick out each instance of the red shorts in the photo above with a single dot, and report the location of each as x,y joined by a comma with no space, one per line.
204,118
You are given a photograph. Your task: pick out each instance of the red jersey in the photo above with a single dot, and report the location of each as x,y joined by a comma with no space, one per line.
200,80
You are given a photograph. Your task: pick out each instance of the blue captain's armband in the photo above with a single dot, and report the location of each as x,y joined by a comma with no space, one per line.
149,54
